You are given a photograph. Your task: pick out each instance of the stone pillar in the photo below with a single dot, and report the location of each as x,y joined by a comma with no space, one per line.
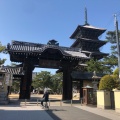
95,87
26,81
67,83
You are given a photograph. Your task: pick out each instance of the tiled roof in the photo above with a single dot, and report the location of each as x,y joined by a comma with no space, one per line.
86,41
76,54
33,48
98,32
13,70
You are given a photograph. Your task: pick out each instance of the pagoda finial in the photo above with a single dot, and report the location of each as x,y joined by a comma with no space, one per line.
86,23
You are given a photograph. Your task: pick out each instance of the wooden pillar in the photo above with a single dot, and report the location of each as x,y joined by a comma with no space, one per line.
21,91
67,83
81,89
26,81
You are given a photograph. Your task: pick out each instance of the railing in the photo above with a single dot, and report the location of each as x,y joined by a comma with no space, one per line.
54,102
62,102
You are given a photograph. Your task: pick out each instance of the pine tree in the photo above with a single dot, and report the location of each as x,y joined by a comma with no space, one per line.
108,63
112,59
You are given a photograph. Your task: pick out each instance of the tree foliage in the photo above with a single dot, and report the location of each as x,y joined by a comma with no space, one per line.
98,66
112,59
108,63
116,72
57,83
45,79
42,80
111,37
2,48
15,86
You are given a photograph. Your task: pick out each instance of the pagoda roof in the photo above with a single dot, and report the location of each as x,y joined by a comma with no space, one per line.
98,31
95,53
93,27
94,41
35,49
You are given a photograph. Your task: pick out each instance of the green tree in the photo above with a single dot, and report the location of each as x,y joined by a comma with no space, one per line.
2,48
42,80
112,59
116,73
108,63
98,66
45,79
15,86
57,83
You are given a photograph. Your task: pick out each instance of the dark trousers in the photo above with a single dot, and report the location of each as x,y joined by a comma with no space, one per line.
43,100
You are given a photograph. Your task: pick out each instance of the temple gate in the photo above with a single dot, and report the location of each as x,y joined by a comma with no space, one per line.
33,55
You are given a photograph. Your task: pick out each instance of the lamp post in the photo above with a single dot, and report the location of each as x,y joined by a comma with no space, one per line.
118,43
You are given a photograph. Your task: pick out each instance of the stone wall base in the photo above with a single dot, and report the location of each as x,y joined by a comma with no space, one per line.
117,110
103,107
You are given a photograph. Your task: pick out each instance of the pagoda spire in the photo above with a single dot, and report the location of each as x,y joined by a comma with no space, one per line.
86,23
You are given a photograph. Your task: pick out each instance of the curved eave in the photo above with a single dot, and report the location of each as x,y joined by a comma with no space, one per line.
75,43
87,27
100,42
75,32
76,54
103,54
95,53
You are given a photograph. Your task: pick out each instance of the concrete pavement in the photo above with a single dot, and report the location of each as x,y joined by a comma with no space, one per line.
18,110
34,112
23,113
107,113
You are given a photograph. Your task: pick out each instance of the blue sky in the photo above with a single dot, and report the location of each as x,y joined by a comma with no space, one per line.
42,20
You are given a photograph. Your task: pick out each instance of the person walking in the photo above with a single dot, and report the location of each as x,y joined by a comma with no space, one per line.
45,97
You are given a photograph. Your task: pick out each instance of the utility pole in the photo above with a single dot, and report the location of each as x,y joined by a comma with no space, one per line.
118,43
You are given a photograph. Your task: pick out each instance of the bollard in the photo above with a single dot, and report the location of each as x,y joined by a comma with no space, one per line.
71,102
60,102
37,102
49,103
81,101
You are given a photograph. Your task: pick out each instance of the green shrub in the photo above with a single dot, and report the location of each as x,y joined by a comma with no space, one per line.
116,72
107,82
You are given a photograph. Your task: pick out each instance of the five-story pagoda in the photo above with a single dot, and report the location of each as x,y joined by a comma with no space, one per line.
87,40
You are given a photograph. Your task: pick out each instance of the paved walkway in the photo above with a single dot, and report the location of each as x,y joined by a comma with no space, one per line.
16,111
